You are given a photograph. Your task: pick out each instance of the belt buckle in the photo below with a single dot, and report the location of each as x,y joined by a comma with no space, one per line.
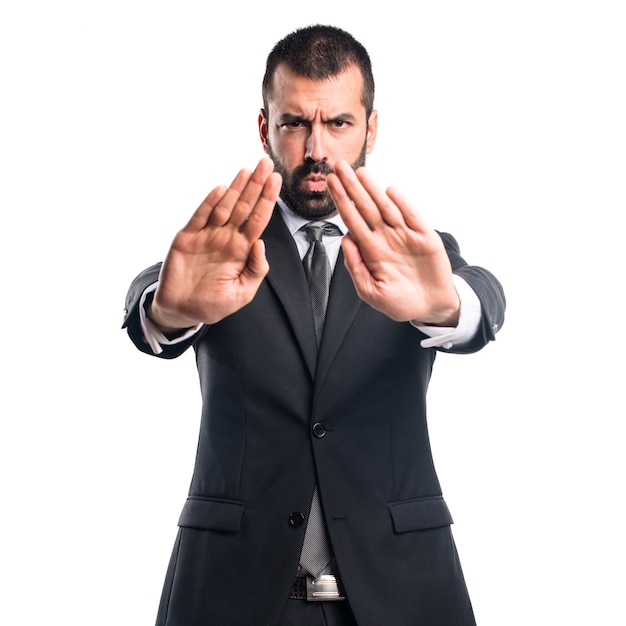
323,588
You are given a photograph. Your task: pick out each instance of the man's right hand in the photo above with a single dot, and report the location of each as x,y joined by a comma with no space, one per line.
217,261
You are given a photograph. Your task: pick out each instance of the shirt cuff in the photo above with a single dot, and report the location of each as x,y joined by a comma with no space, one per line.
447,337
153,335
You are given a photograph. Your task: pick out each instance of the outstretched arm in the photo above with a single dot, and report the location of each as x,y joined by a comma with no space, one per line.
398,264
217,261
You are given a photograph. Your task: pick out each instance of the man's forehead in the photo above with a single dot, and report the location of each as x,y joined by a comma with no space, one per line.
293,90
287,79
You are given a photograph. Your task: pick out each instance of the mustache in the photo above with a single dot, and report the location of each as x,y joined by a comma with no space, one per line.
312,167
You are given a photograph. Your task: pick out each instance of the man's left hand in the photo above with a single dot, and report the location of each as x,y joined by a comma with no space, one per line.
397,262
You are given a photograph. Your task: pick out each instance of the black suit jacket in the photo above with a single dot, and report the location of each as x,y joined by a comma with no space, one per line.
277,417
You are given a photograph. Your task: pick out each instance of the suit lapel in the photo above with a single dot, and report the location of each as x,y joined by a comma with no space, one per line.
286,276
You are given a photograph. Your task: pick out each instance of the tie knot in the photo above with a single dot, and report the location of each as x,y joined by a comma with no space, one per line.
316,230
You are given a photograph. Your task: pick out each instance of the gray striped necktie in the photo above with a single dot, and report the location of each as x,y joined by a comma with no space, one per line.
317,269
316,552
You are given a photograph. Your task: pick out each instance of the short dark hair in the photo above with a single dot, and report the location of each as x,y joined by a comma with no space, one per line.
320,52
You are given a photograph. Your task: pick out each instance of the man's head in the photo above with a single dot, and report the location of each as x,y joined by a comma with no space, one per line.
318,97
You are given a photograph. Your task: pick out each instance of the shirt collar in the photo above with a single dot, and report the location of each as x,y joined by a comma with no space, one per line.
294,221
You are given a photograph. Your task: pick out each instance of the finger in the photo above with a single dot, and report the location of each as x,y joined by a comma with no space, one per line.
411,216
346,190
201,215
222,211
361,276
255,194
255,223
353,220
383,205
257,265
368,197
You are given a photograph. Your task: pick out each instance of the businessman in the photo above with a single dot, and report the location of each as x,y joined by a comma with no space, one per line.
316,302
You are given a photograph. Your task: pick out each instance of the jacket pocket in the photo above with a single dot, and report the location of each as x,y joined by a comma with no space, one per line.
209,514
420,514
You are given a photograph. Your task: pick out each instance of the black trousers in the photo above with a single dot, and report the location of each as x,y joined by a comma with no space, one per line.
303,613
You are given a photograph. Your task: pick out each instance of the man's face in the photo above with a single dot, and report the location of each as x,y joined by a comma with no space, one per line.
308,126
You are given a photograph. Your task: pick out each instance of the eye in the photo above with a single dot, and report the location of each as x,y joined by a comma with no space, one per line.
293,124
339,123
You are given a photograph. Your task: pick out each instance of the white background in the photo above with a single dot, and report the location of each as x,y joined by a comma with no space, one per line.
503,121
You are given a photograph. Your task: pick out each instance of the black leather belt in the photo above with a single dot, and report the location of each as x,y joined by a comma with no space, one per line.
323,588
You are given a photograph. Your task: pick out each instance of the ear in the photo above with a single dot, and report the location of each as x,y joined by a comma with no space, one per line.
372,130
263,129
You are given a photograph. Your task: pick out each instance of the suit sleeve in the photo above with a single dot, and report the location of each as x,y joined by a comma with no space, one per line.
132,322
489,292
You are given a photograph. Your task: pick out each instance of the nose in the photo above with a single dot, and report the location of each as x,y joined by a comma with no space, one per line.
315,146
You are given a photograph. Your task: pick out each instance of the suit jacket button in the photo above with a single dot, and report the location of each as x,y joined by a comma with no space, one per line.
318,430
296,519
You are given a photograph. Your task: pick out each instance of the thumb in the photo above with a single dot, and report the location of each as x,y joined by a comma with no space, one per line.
353,259
257,266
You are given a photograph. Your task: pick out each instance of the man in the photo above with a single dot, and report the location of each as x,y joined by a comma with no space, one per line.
314,498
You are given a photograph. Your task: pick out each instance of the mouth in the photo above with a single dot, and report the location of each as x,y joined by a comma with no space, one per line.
315,184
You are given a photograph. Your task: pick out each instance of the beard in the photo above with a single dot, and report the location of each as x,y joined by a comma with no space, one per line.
311,205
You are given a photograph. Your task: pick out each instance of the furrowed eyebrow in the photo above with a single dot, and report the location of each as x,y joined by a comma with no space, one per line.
342,117
289,118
